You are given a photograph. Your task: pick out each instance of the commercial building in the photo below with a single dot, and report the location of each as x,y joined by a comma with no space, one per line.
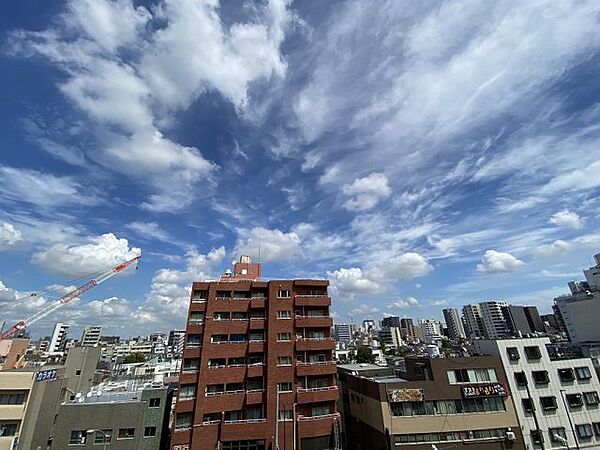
391,321
128,417
557,397
91,336
496,320
342,332
390,336
258,368
473,321
443,403
580,310
524,320
58,340
455,326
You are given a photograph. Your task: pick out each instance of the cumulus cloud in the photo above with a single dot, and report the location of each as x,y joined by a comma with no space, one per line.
364,310
352,281
498,262
566,218
9,236
366,192
77,260
273,245
407,265
404,303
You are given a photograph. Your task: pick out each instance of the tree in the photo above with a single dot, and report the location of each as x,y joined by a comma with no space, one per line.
134,358
364,355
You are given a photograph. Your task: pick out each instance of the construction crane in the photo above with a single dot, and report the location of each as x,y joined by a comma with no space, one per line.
39,315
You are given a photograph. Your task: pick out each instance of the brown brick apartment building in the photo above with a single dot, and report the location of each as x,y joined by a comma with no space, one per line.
439,403
257,366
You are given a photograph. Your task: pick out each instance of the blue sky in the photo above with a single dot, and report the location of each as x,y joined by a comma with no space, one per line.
417,154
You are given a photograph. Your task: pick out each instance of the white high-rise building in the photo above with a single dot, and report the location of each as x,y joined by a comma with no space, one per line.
496,321
342,332
390,336
58,339
473,322
559,395
91,336
454,324
431,330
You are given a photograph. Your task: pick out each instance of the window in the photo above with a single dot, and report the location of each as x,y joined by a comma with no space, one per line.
129,433
596,428
183,420
103,437
221,315
560,432
233,415
583,373
214,389
284,387
194,340
219,338
244,445
282,337
284,314
256,358
584,431
283,293
591,398
285,414
258,336
235,387
540,376
78,372
238,338
187,391
191,364
239,361
241,294
154,402
223,294
254,412
320,410
239,315
566,375
78,437
574,400
472,375
13,398
533,352
254,384
548,402
211,417
537,437
284,360
257,314
149,431
215,363
8,428
521,378
513,353
199,296
196,318
528,405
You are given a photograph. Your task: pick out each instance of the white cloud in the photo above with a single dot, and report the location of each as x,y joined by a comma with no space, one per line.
406,266
9,236
352,281
366,192
404,303
439,303
364,310
497,262
42,189
150,230
566,218
273,245
77,260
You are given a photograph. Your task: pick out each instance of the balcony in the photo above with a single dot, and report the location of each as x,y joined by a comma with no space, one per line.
314,321
258,302
255,397
307,344
256,346
257,324
316,425
321,394
195,327
312,300
315,368
246,429
255,370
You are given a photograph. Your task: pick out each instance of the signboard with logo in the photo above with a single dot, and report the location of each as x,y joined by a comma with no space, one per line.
45,375
484,390
405,395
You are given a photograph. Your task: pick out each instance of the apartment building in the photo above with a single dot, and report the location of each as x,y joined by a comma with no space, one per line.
473,322
58,340
343,332
455,326
258,369
556,396
436,403
91,336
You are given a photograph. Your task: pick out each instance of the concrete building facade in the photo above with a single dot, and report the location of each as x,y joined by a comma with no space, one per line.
91,336
342,332
443,403
455,326
473,322
553,397
58,340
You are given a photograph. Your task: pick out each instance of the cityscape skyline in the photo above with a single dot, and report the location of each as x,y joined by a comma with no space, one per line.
350,161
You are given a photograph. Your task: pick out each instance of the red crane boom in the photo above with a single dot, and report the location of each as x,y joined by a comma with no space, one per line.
48,309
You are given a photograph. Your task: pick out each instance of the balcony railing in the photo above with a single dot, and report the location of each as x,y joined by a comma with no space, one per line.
311,339
314,363
318,389
312,317
320,417
312,295
245,421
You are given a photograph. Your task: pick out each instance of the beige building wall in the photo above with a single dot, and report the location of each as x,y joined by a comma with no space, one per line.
11,381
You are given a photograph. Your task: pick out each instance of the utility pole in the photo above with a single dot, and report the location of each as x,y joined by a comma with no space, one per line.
535,419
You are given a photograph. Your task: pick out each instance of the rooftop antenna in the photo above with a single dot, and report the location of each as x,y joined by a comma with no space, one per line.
259,252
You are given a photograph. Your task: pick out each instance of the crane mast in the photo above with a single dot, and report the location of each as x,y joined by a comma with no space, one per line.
49,309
